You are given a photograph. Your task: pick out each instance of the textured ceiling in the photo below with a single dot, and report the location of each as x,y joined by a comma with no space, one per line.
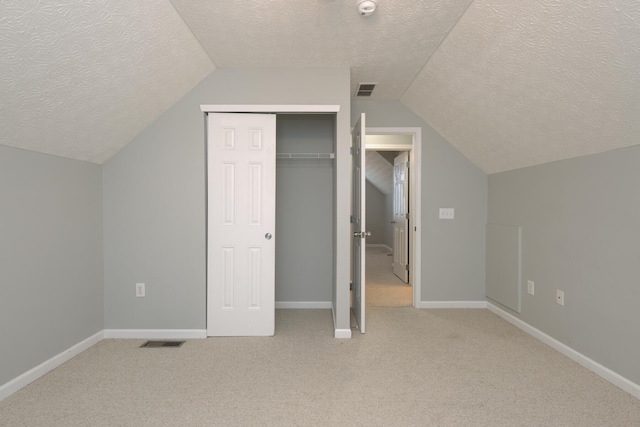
509,83
519,83
81,79
379,172
389,47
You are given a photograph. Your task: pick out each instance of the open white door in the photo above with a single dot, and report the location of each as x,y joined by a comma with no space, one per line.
241,224
359,222
400,216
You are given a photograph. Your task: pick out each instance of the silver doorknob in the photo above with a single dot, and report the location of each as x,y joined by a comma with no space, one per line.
268,236
361,234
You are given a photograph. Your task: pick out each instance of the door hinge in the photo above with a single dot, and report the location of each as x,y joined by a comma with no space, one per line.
351,219
351,150
350,286
407,165
406,267
406,216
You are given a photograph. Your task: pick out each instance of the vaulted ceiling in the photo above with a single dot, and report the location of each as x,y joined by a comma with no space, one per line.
509,83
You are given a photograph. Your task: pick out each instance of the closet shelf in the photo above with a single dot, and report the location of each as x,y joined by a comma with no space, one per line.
305,155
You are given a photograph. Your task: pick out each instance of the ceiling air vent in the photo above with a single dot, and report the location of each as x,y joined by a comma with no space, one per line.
365,89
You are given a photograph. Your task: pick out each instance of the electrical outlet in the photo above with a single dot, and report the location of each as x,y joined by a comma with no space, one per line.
140,291
530,287
559,297
446,213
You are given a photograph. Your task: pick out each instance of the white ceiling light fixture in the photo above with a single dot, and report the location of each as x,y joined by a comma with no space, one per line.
367,7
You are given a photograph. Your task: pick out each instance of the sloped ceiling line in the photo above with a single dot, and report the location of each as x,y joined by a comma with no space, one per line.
508,83
82,79
436,48
195,36
379,172
523,83
389,47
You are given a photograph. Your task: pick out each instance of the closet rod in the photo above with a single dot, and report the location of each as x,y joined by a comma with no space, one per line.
305,155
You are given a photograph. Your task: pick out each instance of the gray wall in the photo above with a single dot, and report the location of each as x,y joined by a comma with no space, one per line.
304,209
379,211
51,279
580,222
453,251
154,198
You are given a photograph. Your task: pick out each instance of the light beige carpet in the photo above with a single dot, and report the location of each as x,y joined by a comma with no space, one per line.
412,368
384,289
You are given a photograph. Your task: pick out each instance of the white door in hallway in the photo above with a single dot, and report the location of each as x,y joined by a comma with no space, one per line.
241,224
358,222
400,216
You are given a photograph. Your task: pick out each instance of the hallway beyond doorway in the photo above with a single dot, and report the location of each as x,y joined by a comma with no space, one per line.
384,289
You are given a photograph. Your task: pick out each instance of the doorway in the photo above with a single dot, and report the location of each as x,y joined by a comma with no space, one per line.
389,142
387,206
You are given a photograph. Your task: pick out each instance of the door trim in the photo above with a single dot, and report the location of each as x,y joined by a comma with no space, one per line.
340,301
359,222
269,108
415,198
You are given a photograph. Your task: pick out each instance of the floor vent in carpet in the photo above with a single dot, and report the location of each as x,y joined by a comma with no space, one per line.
158,344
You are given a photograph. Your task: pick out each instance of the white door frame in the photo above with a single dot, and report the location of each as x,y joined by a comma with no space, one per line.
287,109
415,197
359,221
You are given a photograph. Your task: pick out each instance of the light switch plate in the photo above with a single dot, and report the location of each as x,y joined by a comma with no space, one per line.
446,213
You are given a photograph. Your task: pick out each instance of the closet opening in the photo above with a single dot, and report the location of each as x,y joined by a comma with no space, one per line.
305,146
271,214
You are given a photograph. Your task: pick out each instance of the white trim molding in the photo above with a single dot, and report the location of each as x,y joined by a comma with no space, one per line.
379,245
452,304
47,366
268,108
304,305
342,333
415,203
155,333
339,333
602,371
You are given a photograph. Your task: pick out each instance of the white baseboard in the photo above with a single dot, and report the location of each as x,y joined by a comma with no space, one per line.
155,333
47,366
342,333
602,371
304,304
379,245
452,304
339,333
